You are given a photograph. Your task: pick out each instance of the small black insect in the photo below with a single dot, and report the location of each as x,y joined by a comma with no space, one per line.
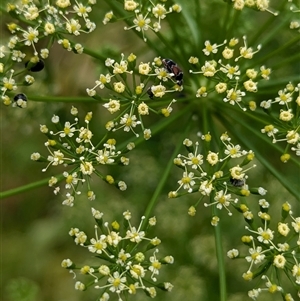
35,67
237,182
173,68
20,100
150,93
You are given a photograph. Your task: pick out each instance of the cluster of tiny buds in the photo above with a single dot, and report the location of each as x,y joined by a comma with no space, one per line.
46,21
295,24
228,74
136,102
260,5
265,252
207,175
146,16
9,84
71,146
125,265
285,126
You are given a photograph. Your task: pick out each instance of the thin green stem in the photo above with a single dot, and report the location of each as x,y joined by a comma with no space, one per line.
284,47
160,185
269,29
234,21
61,99
226,18
189,18
220,258
293,58
262,29
168,44
198,20
27,187
94,54
164,177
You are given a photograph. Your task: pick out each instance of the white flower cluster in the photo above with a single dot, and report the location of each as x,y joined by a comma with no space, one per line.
72,147
124,264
